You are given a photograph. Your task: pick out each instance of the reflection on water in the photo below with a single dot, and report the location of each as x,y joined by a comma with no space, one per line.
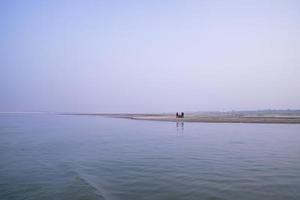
80,157
180,127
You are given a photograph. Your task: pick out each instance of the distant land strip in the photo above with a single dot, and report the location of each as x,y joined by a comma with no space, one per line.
260,116
205,118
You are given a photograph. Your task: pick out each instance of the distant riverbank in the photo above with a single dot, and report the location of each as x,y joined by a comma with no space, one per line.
204,118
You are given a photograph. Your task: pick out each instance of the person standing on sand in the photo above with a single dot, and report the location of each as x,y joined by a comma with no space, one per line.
177,115
182,114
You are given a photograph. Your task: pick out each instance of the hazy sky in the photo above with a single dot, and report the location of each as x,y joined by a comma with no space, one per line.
149,56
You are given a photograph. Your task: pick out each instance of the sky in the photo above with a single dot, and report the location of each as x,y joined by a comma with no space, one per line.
149,56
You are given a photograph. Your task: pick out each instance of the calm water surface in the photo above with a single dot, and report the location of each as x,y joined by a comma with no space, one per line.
85,157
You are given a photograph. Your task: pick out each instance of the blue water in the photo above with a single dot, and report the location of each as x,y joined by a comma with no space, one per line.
87,157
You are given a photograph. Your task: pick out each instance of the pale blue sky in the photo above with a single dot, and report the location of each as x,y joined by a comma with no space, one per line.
149,56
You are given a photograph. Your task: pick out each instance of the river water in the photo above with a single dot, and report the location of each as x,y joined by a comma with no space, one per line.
87,157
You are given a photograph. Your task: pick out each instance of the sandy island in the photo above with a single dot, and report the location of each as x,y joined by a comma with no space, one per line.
205,118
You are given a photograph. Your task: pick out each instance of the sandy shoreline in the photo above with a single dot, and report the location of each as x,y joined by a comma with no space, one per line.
205,119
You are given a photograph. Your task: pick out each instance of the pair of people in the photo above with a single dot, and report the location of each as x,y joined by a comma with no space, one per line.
180,116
